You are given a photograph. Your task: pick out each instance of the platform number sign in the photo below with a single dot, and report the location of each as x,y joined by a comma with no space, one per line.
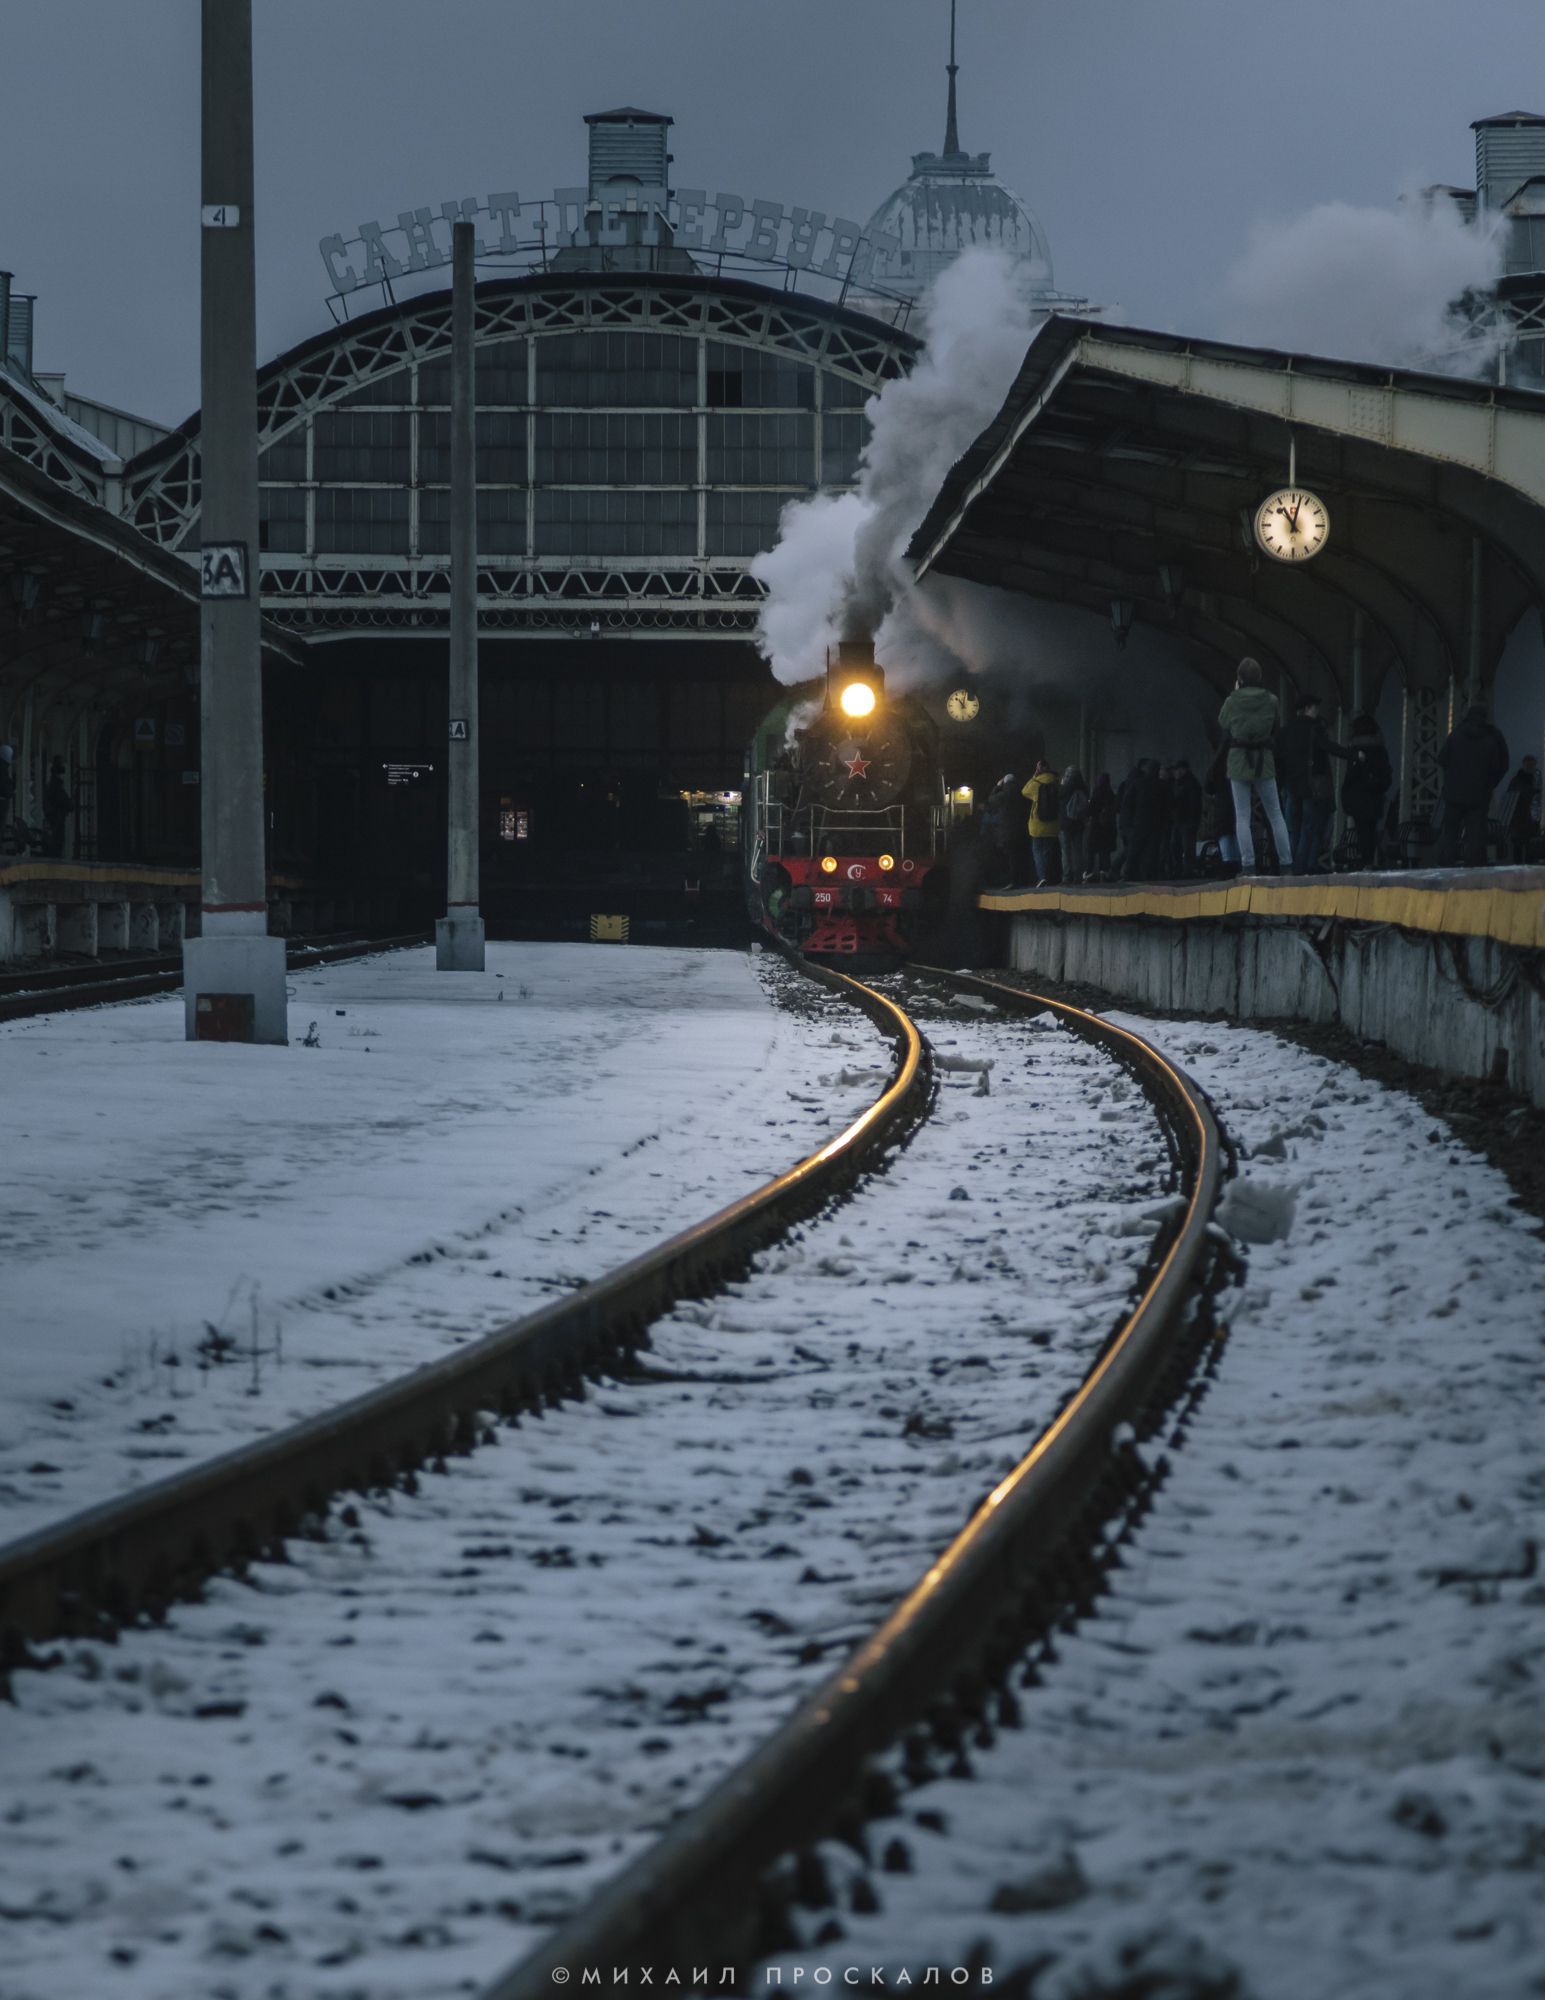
459,731
223,569
221,215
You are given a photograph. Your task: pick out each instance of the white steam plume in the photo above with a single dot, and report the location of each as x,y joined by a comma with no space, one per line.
1366,284
838,563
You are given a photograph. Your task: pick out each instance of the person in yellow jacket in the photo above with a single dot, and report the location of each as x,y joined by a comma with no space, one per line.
1044,792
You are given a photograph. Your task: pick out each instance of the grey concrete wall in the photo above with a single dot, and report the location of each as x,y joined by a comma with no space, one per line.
1460,1005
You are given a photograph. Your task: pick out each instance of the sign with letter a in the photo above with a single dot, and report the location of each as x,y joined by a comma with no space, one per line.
458,729
223,569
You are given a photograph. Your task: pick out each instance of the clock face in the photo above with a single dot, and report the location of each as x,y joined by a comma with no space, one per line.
1292,524
962,705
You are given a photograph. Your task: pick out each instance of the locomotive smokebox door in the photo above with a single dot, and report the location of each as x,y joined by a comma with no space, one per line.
224,1017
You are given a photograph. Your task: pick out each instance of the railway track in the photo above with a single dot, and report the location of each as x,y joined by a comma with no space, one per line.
51,989
931,1679
135,1555
938,1676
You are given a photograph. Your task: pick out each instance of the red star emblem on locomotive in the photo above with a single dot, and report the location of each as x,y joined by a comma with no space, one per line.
858,765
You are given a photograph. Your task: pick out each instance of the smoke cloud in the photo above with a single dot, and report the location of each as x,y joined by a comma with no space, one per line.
1366,284
837,568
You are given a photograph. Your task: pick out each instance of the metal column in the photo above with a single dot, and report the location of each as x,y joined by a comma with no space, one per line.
459,933
234,972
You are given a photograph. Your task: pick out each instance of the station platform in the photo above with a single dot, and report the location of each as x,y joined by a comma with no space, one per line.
1445,966
89,908
1507,904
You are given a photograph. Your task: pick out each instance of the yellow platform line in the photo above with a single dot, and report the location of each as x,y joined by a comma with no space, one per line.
1509,914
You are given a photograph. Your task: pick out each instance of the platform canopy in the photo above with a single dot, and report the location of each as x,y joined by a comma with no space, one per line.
89,609
1127,466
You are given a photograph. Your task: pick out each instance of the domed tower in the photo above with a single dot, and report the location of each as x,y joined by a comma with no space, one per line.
949,202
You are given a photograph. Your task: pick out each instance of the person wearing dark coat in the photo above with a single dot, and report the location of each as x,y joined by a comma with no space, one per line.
57,807
999,816
1364,786
1521,809
1474,761
1304,750
1103,828
1186,817
1139,804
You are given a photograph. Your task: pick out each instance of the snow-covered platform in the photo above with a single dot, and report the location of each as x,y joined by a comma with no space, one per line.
208,1240
1437,964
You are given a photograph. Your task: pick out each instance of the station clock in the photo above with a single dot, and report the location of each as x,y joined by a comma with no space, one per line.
963,706
1292,525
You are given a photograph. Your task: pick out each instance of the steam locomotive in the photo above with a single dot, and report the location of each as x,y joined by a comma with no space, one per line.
845,817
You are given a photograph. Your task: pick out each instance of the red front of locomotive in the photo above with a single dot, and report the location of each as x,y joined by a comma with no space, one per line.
847,817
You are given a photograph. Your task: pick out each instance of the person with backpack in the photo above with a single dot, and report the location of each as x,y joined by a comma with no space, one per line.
1104,818
1045,795
1364,786
1074,825
1249,719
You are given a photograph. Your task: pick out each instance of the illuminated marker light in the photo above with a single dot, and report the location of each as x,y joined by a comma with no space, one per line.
887,863
857,698
828,864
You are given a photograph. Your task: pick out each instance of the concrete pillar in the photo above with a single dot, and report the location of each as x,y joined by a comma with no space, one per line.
112,927
75,929
234,972
33,929
459,933
1475,663
8,918
144,927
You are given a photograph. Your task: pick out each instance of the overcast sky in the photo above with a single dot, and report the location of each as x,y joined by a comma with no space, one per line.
1148,135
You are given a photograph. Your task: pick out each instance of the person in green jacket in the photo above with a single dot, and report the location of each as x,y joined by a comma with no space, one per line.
1249,719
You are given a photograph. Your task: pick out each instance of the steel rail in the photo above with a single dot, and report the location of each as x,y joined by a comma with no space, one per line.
56,989
139,1552
703,1893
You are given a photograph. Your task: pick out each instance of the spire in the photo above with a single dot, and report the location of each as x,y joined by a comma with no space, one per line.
951,129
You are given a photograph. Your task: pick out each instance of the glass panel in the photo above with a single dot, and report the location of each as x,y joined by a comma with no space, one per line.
760,451
841,442
281,518
362,521
767,381
360,444
285,460
646,448
499,375
393,390
744,524
838,393
611,369
501,447
615,523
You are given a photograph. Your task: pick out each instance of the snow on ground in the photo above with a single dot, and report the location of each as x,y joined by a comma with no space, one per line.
384,1767
1303,1738
205,1241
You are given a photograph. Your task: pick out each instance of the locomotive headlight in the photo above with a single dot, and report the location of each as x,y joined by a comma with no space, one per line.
828,864
887,863
857,699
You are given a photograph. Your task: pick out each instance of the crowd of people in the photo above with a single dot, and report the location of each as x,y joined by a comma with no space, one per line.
1270,788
